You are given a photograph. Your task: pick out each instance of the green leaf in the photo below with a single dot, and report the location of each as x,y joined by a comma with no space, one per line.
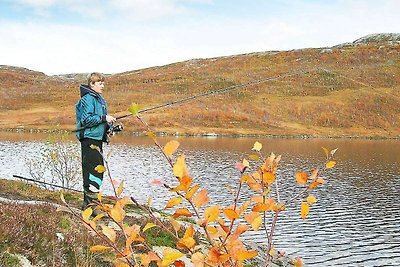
134,109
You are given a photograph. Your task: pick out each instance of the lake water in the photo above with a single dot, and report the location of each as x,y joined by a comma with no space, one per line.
356,221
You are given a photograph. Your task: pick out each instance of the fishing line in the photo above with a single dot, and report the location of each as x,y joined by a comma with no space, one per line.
218,91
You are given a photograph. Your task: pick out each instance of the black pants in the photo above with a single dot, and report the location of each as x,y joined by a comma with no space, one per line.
92,180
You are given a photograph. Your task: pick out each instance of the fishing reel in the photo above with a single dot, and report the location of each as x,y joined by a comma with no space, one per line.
117,128
114,129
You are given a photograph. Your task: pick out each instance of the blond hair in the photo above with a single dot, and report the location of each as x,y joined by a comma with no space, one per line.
95,77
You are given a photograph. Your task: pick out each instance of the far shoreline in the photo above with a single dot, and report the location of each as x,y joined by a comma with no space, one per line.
207,134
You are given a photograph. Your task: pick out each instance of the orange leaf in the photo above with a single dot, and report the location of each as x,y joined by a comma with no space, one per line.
192,191
257,199
189,232
123,201
231,214
268,177
98,248
171,147
211,214
173,202
314,173
240,230
213,255
182,212
174,224
132,230
169,256
198,259
109,232
245,255
311,199
244,207
121,264
184,184
254,219
186,242
245,178
261,207
213,232
301,177
305,209
317,182
117,212
253,184
298,262
201,198
222,225
146,259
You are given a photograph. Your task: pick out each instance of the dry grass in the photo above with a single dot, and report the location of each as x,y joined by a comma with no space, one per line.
358,96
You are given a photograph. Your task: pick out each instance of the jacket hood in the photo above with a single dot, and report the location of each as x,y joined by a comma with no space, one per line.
85,89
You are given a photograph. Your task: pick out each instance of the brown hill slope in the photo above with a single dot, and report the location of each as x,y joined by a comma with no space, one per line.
350,90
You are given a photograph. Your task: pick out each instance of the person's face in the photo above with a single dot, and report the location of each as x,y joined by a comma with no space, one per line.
98,86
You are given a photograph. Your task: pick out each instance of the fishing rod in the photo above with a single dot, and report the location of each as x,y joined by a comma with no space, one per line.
49,184
212,92
56,186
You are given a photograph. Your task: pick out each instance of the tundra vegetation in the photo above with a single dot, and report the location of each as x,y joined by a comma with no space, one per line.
348,90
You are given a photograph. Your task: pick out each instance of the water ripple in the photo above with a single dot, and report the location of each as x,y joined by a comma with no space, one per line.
356,221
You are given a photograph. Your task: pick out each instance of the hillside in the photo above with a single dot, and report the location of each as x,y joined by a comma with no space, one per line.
352,89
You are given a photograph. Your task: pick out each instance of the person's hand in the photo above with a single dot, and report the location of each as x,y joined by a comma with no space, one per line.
110,119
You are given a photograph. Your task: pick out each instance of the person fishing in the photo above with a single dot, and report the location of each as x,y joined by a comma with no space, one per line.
92,115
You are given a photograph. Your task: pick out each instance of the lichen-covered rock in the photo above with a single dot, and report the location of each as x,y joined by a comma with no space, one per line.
378,38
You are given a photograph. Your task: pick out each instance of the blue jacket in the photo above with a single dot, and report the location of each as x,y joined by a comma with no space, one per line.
91,111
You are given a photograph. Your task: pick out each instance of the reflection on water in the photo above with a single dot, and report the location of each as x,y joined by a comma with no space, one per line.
356,221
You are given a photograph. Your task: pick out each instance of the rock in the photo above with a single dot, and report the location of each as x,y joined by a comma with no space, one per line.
326,51
18,259
378,38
